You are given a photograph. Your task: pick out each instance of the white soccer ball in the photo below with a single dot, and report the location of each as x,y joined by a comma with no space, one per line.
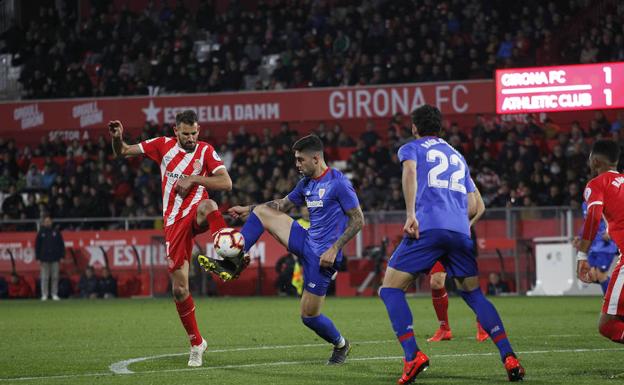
228,242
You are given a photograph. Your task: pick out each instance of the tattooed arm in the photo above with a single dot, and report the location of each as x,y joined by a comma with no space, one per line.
284,205
356,221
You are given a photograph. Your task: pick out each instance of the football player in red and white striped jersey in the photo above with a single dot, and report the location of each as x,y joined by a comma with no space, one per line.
189,169
604,195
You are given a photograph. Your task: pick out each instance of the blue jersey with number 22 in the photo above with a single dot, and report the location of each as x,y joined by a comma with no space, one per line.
443,181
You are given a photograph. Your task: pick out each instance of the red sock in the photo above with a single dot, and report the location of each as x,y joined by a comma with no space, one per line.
186,311
613,330
440,304
215,221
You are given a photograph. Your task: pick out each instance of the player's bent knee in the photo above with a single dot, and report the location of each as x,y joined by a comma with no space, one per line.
207,206
180,293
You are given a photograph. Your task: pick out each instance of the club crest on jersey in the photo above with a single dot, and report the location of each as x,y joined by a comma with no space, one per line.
197,166
321,192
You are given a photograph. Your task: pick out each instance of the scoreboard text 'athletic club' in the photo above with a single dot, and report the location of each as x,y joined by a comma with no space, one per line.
560,88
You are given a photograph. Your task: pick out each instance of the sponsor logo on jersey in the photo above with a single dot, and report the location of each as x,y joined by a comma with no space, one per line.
197,166
216,156
312,204
587,193
175,175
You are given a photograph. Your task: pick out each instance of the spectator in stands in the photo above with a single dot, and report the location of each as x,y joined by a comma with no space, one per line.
88,285
49,250
19,288
495,285
107,285
285,267
13,204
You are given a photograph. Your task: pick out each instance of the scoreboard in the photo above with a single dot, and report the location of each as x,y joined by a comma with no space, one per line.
560,88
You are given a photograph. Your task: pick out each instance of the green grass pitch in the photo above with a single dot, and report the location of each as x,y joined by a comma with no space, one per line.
262,341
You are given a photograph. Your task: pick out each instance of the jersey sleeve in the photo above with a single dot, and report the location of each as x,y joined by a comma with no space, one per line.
594,193
212,161
345,193
296,195
152,148
406,152
470,186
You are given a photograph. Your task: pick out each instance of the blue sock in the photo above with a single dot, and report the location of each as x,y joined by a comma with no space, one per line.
401,319
324,327
604,285
489,318
252,230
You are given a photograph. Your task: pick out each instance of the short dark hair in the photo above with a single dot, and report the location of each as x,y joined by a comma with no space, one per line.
187,117
608,149
309,143
428,120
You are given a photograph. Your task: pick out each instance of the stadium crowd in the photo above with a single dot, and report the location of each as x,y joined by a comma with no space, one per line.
312,44
514,164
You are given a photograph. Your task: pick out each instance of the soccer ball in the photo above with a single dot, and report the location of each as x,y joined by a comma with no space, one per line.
228,242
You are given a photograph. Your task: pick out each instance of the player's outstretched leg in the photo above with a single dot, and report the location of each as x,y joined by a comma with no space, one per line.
324,327
491,322
401,319
186,310
612,327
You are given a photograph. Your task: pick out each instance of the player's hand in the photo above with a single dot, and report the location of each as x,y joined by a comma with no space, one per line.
583,271
183,186
115,128
237,212
411,227
576,242
328,257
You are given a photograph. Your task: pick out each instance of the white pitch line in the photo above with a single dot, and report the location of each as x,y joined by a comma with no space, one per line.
284,363
121,367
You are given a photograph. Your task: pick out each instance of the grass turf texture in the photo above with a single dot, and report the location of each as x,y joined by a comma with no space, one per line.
75,342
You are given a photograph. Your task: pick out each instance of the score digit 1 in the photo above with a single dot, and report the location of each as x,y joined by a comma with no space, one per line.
607,71
607,92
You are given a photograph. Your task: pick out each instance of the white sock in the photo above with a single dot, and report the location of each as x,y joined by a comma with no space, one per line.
340,343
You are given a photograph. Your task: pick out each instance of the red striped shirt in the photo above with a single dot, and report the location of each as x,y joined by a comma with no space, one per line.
175,163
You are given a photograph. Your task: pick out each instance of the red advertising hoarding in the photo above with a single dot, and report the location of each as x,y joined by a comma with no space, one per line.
560,88
32,118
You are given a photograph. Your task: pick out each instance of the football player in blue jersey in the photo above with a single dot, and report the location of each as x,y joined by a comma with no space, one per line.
601,253
440,198
335,218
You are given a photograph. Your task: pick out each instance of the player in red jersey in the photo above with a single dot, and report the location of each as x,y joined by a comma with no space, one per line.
605,196
437,278
189,169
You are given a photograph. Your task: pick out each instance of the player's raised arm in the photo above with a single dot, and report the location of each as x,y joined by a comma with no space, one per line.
121,148
409,182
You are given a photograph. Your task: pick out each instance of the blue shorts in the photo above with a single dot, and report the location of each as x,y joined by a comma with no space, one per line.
316,280
454,250
601,261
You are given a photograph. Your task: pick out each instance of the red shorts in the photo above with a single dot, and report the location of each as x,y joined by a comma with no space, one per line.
179,239
437,268
614,298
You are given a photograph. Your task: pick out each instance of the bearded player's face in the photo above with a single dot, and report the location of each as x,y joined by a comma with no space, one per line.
305,162
187,135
